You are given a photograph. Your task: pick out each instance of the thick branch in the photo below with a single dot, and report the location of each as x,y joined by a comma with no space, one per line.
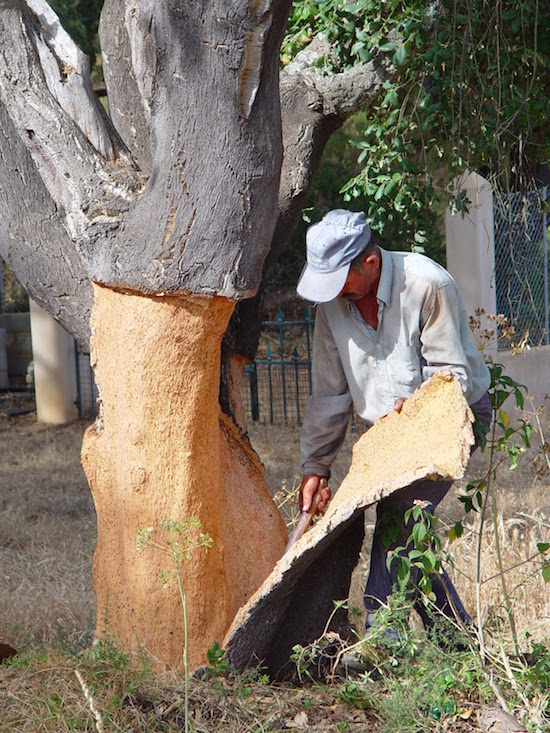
205,78
314,105
129,65
63,172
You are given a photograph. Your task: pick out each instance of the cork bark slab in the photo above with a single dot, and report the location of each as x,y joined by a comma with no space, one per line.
430,439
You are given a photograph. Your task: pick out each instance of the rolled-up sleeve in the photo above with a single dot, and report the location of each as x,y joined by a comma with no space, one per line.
329,408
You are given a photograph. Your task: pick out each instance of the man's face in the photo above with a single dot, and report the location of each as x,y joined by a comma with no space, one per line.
362,282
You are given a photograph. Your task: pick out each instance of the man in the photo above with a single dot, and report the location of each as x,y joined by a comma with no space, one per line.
386,321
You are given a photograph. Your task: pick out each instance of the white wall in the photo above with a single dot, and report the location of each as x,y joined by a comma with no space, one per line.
471,262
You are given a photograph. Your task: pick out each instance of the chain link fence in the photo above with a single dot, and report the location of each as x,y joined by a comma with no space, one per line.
521,263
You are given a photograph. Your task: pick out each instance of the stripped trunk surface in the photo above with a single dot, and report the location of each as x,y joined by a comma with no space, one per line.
159,451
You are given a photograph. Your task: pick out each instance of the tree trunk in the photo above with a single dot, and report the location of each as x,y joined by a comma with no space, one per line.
169,207
161,450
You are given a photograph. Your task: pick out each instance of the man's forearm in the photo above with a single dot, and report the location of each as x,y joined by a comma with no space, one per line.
323,432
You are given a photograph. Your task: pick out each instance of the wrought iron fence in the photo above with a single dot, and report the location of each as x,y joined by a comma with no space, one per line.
521,262
279,380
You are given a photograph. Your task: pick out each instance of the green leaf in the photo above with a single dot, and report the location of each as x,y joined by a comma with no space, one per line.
419,533
390,46
380,192
546,573
543,546
456,531
400,56
504,418
391,99
429,560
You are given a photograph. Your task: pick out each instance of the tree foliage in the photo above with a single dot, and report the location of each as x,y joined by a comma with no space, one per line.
471,95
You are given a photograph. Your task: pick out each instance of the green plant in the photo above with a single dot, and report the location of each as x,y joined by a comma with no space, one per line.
218,664
421,552
523,679
355,693
181,537
502,444
469,95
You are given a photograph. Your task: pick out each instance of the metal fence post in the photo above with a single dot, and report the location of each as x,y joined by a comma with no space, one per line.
78,379
269,356
2,298
544,196
295,358
280,319
253,382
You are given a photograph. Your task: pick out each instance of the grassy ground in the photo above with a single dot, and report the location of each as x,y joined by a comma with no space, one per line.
47,537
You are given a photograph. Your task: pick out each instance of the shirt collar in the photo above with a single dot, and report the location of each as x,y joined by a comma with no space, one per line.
384,284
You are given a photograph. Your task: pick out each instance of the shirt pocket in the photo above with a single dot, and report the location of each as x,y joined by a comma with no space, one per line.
404,368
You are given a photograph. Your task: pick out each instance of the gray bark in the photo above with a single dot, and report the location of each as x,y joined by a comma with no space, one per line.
207,79
197,217
65,178
177,191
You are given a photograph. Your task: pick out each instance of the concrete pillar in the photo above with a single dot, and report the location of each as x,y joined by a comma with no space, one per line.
471,245
54,369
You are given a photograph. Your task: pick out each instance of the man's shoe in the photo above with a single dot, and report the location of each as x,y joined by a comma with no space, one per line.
382,633
350,662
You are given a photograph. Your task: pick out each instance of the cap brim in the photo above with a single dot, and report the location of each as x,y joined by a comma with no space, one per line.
321,287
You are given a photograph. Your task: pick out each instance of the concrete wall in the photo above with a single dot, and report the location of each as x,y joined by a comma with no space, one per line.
532,368
54,369
471,262
471,245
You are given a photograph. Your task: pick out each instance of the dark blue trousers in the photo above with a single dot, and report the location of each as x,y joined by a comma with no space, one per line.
380,582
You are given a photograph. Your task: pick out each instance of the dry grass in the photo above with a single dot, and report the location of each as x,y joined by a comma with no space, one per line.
47,537
47,530
126,700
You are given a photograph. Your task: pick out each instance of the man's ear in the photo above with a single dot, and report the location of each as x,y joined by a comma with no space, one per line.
371,261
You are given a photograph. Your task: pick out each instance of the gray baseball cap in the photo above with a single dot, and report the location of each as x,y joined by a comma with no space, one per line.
331,245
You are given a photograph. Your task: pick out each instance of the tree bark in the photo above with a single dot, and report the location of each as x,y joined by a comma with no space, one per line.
169,208
172,227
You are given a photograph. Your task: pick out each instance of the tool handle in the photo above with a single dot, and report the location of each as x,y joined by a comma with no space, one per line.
305,517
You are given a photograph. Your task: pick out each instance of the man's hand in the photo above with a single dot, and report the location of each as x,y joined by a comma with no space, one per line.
309,487
398,404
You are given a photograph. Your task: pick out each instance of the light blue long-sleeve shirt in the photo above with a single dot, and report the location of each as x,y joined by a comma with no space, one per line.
422,328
